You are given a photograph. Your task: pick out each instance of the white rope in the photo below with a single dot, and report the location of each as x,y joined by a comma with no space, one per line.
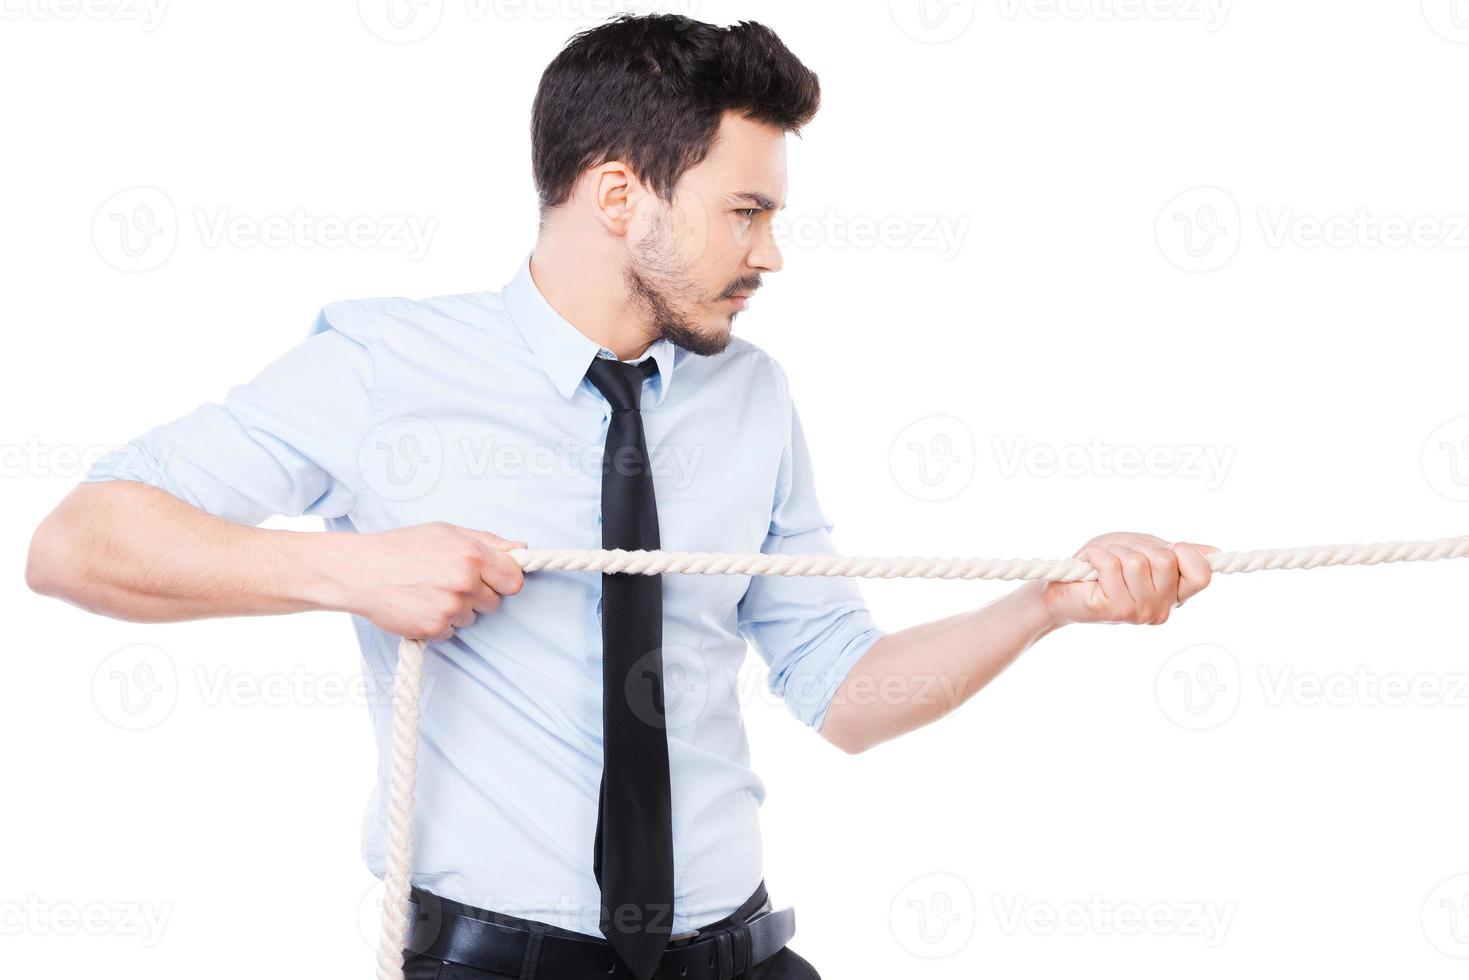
407,686
407,705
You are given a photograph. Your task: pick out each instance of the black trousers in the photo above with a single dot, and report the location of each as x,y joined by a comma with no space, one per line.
784,965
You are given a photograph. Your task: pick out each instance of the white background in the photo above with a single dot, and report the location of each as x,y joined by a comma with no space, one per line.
989,268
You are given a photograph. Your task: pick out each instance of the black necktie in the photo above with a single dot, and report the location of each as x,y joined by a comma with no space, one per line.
633,851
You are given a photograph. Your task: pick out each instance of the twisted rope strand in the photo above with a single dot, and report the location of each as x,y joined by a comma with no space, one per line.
408,682
407,706
1049,570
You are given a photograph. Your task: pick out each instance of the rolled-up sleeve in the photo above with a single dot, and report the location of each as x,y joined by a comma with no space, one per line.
810,631
284,443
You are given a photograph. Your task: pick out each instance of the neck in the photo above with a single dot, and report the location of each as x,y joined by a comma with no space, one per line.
583,283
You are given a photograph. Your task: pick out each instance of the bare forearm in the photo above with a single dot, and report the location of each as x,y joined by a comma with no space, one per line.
914,676
135,552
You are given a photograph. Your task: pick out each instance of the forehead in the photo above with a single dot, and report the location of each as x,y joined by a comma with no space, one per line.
745,156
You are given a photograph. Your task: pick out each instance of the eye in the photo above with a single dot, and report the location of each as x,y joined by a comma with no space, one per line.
748,213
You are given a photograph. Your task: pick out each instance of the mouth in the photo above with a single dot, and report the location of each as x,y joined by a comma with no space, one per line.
740,300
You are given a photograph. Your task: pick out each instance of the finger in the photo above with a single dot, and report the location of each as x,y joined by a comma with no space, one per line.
1164,564
483,599
1109,577
1193,569
502,573
464,617
1137,574
492,540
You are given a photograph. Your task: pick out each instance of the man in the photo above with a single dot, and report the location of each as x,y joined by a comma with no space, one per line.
571,821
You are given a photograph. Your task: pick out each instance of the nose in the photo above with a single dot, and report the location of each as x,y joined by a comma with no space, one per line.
764,253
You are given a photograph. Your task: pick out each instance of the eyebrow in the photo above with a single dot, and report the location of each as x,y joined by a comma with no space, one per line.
757,199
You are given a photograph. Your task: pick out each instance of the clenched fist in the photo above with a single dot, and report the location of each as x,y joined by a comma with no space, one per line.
427,580
1140,580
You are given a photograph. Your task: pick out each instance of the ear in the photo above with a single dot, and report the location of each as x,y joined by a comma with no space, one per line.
615,191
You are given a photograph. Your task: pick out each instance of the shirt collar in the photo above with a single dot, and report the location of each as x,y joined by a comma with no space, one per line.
565,352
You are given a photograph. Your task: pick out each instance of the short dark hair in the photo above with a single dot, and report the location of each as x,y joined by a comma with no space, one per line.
650,90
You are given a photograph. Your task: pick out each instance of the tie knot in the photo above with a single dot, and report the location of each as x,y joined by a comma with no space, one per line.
619,382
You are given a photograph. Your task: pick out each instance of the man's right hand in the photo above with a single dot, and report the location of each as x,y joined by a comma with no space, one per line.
423,581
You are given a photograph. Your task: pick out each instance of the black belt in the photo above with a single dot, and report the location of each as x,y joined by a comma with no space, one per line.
723,954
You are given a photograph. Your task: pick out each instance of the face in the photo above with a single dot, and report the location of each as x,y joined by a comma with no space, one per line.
692,264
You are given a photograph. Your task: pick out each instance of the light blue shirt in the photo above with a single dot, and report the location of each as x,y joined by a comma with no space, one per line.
474,409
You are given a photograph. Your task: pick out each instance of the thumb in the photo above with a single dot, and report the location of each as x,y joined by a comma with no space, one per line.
493,540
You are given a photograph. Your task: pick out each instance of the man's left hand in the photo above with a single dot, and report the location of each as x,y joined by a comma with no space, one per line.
1140,580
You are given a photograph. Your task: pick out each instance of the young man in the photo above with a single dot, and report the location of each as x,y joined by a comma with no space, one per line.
570,821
